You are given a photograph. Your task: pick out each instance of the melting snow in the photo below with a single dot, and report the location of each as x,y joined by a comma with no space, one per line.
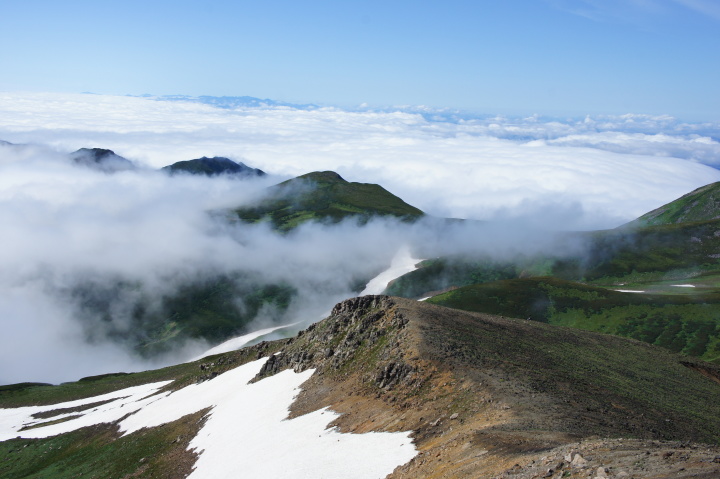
247,432
629,290
684,285
240,341
401,264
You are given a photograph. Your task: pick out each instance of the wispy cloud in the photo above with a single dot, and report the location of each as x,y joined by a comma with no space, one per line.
625,11
634,11
711,8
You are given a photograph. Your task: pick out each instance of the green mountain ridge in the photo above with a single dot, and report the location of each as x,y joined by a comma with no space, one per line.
101,159
702,204
214,166
674,266
324,196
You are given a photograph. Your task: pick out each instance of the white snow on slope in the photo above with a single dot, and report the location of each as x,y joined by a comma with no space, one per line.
629,290
684,285
247,431
401,264
125,401
240,341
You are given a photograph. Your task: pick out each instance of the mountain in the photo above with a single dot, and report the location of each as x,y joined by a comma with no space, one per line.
672,273
214,166
702,204
101,159
233,102
324,196
478,396
212,309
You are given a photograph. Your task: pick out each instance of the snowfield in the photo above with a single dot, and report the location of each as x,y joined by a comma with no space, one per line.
247,432
240,341
401,264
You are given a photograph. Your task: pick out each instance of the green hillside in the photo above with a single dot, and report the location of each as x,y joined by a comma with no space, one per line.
688,324
701,204
214,309
652,257
212,167
325,196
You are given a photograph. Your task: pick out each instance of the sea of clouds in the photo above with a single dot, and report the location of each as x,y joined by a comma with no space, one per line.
611,168
65,225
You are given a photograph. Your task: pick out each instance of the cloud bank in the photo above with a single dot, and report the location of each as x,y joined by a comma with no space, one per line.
613,168
66,226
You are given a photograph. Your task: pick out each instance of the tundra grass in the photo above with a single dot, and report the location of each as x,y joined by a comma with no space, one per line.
98,451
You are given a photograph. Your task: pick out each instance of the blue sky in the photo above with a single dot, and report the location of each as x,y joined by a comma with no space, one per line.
511,56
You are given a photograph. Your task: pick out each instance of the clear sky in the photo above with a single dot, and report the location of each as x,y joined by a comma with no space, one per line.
524,56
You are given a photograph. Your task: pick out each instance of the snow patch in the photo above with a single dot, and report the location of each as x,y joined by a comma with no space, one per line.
629,290
240,341
246,431
683,285
125,401
401,264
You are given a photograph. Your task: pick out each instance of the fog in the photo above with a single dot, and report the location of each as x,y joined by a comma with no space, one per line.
82,248
72,234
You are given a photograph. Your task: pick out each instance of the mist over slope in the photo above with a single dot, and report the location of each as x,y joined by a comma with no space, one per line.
87,255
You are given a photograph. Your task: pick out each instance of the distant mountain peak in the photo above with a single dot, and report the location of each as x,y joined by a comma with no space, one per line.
101,159
217,165
321,176
325,196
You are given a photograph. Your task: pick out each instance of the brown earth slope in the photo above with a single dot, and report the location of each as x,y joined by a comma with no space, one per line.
493,397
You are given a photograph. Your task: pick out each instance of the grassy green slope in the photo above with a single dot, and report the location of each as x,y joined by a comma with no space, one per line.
325,196
441,273
650,257
213,308
211,167
688,324
701,204
656,249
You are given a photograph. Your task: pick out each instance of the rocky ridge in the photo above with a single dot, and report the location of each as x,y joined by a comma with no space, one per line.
391,364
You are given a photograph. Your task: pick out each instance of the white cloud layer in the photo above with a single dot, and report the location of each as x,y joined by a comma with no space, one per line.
612,168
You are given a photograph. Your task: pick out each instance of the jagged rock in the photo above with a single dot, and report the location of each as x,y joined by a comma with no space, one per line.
392,374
